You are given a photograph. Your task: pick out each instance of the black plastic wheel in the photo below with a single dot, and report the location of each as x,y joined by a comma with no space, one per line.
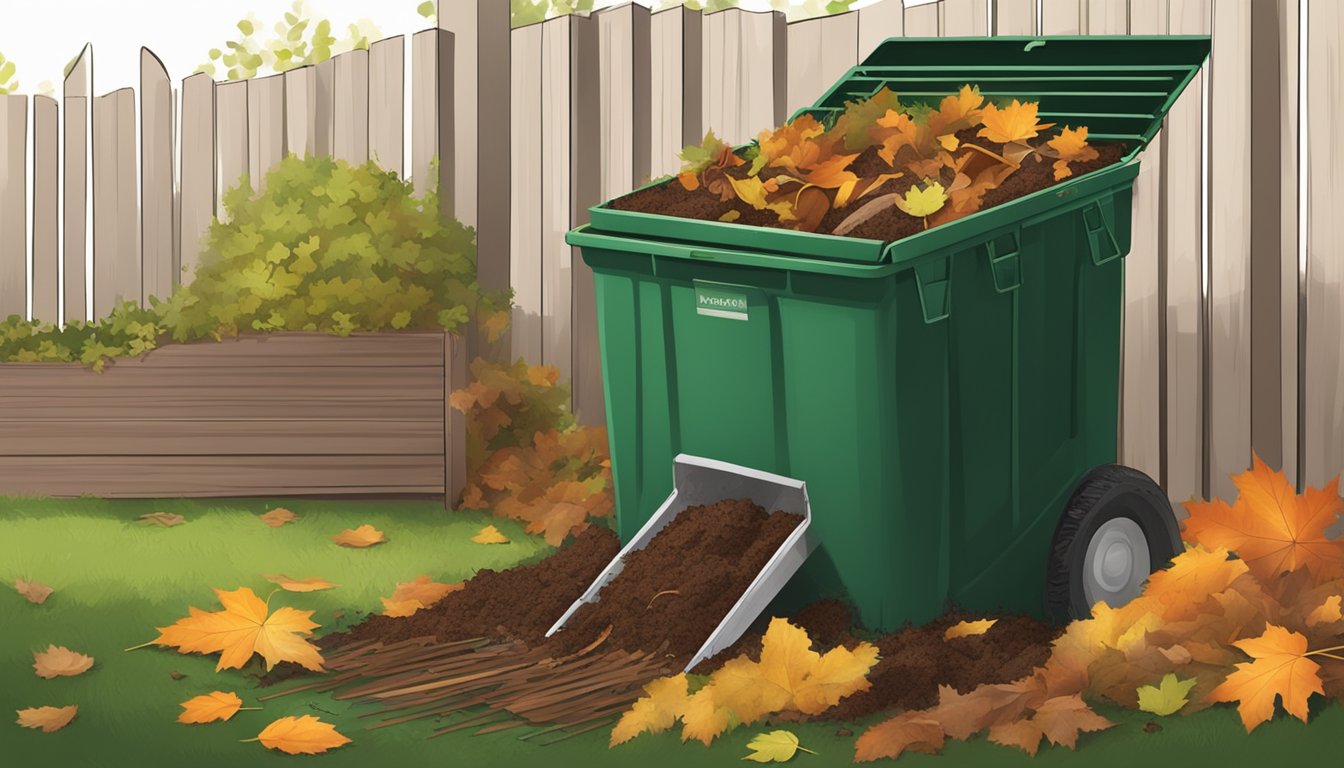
1117,528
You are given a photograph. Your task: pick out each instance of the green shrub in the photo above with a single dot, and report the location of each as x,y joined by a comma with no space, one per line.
326,247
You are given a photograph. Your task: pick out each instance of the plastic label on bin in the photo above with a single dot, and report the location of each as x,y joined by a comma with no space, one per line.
715,301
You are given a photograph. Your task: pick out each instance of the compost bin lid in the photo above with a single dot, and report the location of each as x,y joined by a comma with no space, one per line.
1120,87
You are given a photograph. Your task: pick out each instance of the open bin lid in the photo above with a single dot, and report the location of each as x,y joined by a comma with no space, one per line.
1120,87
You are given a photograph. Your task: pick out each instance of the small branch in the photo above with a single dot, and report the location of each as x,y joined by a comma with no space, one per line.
865,212
660,594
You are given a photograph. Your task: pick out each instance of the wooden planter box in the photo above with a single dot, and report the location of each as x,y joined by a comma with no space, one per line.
285,414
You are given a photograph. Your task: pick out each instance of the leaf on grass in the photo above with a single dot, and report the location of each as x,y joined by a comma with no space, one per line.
969,628
207,708
311,584
34,591
654,713
242,629
358,538
47,718
278,517
1271,527
1059,719
411,596
1166,698
907,732
165,519
775,747
1326,613
304,735
490,535
1280,669
59,661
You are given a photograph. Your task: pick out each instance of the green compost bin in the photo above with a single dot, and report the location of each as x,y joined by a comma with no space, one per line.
943,395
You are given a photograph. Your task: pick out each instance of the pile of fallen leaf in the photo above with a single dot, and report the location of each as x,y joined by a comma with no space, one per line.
527,459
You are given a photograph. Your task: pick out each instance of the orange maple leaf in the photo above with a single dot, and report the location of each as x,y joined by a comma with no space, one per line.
1270,526
1071,146
1015,122
245,627
1280,669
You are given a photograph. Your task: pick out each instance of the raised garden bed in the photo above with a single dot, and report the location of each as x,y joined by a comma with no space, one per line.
282,414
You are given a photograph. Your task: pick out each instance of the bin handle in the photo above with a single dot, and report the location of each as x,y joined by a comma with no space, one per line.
933,279
1100,239
1004,262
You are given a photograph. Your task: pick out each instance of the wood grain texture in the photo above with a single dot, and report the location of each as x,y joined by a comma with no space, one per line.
140,436
350,107
1107,17
231,144
1290,301
1323,364
923,20
821,50
301,111
676,65
46,221
265,127
585,191
557,100
1015,17
1184,438
965,18
878,22
1063,17
1229,366
157,188
456,375
624,111
525,197
116,205
1141,390
432,104
13,205
198,185
75,186
324,107
745,73
387,109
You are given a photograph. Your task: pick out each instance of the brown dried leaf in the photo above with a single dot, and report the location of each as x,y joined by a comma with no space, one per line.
59,661
165,519
34,591
47,718
278,517
359,538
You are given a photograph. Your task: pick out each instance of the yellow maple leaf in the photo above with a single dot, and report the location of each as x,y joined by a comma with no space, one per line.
358,538
1280,668
496,323
654,713
411,596
311,584
969,628
490,535
1015,122
923,202
278,517
304,735
1271,527
1167,697
242,629
33,591
544,376
59,661
209,707
775,747
47,718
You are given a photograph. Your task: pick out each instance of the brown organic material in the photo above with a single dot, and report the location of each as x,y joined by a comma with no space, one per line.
701,562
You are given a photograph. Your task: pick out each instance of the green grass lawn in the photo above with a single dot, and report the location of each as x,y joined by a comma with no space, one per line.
117,580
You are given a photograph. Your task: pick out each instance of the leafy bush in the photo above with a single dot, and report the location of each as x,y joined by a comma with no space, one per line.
327,247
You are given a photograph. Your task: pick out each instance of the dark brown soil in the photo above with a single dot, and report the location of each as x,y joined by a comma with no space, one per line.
678,588
671,199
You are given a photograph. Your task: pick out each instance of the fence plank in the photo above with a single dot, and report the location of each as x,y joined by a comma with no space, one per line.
350,107
198,171
75,176
231,145
1323,362
1289,286
387,108
1141,392
46,228
1229,369
432,107
13,205
923,20
745,73
1107,17
324,107
116,207
1183,276
586,191
265,126
1063,17
301,111
623,79
676,48
1015,17
525,263
158,270
821,50
965,18
878,22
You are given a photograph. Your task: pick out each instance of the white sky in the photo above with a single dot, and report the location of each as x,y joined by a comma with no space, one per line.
40,36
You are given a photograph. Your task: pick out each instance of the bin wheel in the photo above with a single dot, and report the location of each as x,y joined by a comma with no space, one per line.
1117,529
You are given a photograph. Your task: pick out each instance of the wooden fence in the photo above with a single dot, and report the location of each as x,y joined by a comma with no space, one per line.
1233,314
283,415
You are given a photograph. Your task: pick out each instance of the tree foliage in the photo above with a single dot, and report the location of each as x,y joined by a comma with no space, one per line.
298,39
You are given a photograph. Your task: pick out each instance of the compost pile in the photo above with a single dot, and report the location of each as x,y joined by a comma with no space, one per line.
882,170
